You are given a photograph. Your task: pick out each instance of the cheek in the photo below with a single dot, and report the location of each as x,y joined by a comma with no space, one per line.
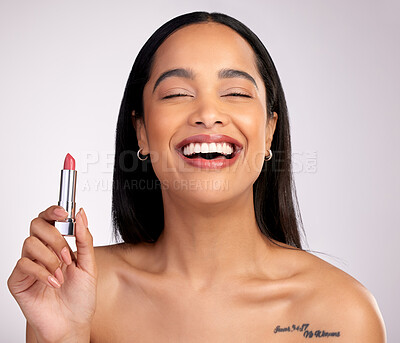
253,127
160,129
158,135
159,125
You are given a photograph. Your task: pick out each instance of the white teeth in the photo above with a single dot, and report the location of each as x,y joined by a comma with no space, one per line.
204,148
212,147
225,149
197,148
222,148
189,149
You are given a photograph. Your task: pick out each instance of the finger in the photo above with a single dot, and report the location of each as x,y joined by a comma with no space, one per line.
66,253
84,245
49,235
58,213
25,273
53,213
35,250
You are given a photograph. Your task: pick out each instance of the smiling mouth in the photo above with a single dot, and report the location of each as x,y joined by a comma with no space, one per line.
225,151
209,151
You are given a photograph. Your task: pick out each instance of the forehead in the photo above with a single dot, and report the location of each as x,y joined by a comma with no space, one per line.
210,45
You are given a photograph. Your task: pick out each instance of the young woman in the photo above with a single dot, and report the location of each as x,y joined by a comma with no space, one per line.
204,202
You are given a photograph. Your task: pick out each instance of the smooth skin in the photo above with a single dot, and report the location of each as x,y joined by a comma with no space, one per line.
211,276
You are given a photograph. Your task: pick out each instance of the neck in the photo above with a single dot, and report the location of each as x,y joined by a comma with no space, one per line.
210,242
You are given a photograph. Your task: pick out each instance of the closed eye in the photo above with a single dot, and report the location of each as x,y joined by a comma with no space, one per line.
175,95
238,94
230,94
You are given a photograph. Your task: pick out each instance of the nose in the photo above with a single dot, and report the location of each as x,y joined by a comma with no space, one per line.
207,114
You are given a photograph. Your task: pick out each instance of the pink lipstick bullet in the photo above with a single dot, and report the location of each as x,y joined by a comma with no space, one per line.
67,197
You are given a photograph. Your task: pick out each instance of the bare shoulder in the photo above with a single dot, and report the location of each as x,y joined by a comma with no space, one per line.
111,266
110,259
335,302
107,254
116,256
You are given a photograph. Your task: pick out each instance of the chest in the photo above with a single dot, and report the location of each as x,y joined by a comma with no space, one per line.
183,318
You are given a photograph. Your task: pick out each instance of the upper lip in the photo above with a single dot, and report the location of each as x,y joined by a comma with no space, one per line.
216,138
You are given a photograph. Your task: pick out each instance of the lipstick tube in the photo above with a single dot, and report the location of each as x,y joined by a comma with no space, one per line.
67,197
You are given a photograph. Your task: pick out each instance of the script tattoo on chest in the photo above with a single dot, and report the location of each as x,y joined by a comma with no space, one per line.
307,331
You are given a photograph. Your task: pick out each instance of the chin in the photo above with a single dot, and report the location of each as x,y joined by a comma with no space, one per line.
207,191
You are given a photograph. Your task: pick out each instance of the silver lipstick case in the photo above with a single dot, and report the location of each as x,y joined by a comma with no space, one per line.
67,201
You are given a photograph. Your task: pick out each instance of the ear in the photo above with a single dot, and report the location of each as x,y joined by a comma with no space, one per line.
141,134
270,129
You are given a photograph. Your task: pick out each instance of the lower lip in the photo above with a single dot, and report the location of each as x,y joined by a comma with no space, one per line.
210,164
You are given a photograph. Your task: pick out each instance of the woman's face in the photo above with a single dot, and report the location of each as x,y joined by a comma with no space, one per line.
208,104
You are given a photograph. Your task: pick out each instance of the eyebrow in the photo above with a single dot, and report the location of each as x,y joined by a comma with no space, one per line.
225,73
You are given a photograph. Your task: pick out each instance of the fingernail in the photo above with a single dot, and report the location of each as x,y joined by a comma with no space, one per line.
85,221
53,282
79,214
66,256
60,212
59,275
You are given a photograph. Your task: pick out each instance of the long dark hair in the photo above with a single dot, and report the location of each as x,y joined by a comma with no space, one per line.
137,208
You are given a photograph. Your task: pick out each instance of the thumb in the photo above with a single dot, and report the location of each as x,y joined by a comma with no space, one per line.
84,244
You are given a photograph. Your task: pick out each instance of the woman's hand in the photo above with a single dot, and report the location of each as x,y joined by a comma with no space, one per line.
56,290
